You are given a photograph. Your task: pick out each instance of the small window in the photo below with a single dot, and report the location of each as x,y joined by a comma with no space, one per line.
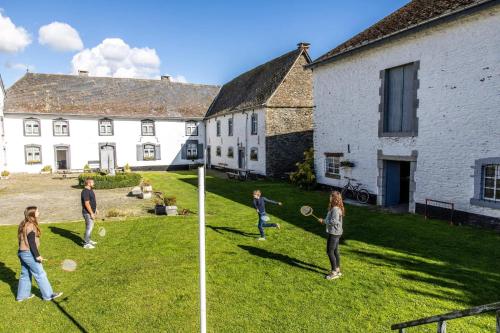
254,154
192,128
192,150
33,154
147,128
149,152
332,166
230,152
230,127
105,127
61,127
218,127
32,127
218,151
254,124
491,182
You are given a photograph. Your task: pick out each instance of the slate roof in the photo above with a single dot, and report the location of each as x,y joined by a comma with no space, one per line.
255,87
415,14
105,96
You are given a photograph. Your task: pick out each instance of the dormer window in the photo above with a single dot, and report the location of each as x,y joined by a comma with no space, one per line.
60,127
147,128
106,127
191,128
32,127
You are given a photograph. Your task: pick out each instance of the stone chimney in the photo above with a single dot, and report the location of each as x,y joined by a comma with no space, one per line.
303,46
166,78
83,73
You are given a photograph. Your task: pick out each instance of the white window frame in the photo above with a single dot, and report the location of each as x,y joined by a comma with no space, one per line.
495,179
149,152
29,127
191,150
253,151
147,127
107,125
191,128
58,127
332,166
30,153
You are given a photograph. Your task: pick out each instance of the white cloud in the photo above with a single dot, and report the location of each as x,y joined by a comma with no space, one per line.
19,66
114,57
60,37
12,38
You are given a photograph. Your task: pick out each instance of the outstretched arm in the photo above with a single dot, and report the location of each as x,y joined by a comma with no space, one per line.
272,201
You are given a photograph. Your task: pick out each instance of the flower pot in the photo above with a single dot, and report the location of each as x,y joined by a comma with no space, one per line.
147,188
4,177
160,210
171,210
146,195
136,191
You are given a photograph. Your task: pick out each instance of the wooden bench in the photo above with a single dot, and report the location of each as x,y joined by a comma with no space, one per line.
232,175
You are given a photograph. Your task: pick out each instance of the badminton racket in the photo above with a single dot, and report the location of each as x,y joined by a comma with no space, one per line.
308,211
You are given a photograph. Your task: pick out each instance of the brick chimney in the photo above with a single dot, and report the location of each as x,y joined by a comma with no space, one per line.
303,46
166,78
83,73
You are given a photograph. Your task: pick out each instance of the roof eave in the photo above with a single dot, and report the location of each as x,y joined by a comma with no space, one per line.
401,33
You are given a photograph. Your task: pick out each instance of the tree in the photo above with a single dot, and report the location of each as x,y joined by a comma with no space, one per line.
305,176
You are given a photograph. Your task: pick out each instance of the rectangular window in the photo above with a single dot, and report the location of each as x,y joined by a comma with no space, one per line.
105,127
332,166
33,154
149,152
192,150
230,127
192,128
147,128
230,152
254,123
254,154
491,182
61,127
218,127
31,127
218,151
400,100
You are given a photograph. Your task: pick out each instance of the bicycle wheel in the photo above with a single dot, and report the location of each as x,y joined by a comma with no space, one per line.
363,196
347,193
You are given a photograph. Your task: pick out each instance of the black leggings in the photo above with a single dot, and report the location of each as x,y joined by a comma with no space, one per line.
332,249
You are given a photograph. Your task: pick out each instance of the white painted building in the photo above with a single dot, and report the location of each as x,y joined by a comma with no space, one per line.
3,150
67,122
262,119
414,103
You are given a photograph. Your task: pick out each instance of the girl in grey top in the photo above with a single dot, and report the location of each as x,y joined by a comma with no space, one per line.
334,229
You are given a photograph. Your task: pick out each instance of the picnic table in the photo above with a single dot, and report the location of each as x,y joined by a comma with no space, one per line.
240,174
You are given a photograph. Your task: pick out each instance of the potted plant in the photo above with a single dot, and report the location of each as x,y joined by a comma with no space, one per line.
347,164
46,169
146,186
160,208
5,174
171,208
86,168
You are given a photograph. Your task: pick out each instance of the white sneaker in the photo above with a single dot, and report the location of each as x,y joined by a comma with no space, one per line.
30,296
92,242
261,239
89,246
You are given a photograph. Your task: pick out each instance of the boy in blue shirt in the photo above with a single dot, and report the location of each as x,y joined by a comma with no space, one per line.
259,202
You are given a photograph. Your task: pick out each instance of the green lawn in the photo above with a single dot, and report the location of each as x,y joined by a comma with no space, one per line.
143,276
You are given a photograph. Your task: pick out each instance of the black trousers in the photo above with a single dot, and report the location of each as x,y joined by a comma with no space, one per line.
332,249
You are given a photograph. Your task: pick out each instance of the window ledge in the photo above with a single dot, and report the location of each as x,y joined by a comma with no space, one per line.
485,203
331,175
397,134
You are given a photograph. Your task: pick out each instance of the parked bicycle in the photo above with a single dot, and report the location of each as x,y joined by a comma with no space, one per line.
355,191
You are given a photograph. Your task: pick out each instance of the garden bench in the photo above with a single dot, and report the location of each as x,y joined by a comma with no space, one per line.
232,175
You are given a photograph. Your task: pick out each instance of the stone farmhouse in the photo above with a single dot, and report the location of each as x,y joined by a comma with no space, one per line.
413,102
262,119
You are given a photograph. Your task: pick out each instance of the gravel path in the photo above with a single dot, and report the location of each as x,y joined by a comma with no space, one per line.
59,199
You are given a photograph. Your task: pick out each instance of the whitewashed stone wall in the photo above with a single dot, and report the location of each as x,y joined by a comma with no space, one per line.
2,132
241,137
458,112
84,142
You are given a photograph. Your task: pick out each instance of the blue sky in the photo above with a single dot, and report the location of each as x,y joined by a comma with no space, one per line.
201,41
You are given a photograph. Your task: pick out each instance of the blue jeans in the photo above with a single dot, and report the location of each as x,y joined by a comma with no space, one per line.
89,225
263,225
30,267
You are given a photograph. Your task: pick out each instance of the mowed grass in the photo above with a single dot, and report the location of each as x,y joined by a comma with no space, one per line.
143,276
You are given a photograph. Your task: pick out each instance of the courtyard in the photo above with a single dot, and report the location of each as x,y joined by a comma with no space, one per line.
143,276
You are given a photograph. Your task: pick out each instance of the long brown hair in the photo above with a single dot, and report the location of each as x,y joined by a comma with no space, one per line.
29,218
336,201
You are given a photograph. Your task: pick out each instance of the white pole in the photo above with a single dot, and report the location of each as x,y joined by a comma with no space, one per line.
201,213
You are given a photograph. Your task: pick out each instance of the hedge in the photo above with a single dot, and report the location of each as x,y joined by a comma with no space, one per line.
122,179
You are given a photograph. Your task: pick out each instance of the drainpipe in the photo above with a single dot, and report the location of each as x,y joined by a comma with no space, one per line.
246,141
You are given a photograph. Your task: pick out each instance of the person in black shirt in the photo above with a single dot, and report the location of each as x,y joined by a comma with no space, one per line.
89,211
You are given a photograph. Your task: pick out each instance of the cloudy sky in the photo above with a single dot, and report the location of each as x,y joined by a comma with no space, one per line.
193,41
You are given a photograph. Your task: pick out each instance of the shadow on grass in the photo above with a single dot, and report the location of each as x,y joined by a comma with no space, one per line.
283,258
469,259
69,316
222,230
71,235
8,276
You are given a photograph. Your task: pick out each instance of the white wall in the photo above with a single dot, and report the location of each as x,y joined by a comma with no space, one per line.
458,113
84,142
2,132
241,136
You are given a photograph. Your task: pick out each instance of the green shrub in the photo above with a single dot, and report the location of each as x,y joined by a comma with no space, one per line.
86,168
127,168
108,181
305,177
47,168
5,173
170,201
